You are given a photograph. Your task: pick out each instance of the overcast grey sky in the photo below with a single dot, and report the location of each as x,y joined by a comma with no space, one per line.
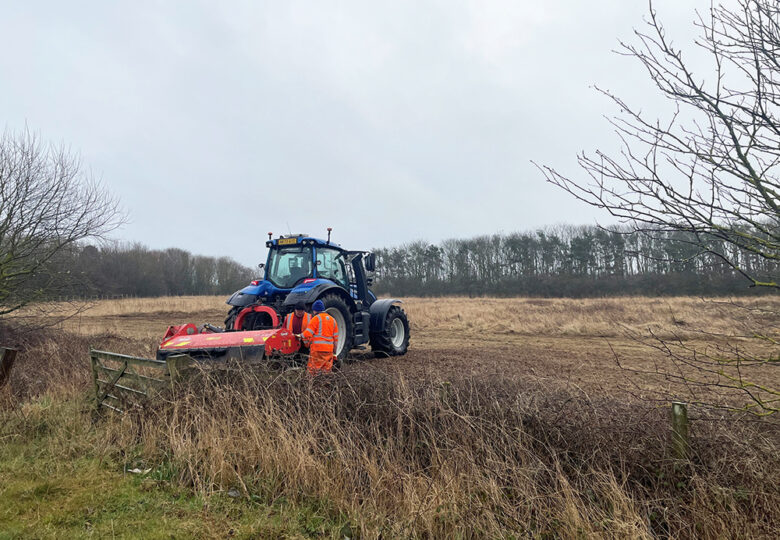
215,122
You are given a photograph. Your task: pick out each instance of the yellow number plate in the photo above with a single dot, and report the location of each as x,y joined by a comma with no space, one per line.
287,241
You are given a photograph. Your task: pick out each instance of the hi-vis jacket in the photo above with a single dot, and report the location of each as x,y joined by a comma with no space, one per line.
322,333
288,322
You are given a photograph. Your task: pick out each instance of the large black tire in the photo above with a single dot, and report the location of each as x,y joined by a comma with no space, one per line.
338,308
231,317
394,340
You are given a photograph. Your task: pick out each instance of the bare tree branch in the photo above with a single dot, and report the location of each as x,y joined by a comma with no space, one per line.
47,205
711,170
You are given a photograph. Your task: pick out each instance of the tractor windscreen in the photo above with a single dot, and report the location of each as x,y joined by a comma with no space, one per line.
289,265
332,265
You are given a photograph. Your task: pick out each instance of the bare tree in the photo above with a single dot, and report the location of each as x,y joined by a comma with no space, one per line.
48,203
709,173
711,170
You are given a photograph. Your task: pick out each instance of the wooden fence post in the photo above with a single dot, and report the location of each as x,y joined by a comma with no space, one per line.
94,361
177,365
7,357
680,429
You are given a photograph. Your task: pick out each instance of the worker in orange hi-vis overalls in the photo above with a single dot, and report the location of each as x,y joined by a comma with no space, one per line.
321,336
297,321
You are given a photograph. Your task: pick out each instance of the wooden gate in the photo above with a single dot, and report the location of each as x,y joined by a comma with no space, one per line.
7,357
123,382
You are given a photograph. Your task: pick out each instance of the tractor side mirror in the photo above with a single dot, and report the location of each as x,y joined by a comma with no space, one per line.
370,262
261,266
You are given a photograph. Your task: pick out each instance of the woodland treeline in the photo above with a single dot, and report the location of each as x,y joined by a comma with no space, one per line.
572,261
139,271
567,261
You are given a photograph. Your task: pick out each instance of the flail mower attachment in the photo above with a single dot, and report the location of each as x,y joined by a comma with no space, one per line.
209,344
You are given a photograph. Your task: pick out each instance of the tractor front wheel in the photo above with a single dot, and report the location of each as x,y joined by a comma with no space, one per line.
394,339
231,318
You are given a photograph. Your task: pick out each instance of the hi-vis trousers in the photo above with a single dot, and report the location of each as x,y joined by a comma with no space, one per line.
320,361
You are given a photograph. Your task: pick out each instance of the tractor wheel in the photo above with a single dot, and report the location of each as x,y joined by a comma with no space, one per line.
394,340
252,321
231,317
257,321
336,307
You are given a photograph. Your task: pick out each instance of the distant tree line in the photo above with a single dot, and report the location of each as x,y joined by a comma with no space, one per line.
574,261
139,271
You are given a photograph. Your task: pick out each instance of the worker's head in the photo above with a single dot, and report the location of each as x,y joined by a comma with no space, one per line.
300,309
318,306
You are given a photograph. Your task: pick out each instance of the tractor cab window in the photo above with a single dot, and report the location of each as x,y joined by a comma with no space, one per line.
331,265
287,266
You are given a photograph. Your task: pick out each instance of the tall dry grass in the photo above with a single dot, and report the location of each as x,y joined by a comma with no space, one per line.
469,458
124,306
165,304
598,317
453,317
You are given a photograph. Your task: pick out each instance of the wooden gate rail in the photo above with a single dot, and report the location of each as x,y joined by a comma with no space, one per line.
121,385
7,357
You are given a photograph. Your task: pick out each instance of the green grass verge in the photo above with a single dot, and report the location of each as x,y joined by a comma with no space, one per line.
54,484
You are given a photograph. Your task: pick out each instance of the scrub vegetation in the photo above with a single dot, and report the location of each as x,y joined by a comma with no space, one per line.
506,418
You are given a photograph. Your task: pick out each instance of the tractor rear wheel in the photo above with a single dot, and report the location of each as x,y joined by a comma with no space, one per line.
394,340
337,307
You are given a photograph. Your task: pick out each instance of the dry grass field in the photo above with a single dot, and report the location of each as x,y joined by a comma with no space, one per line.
542,418
558,341
443,317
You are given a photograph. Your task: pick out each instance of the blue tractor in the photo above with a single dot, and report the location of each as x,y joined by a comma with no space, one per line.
300,268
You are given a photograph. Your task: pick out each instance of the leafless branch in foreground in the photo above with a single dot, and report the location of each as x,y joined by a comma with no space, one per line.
710,171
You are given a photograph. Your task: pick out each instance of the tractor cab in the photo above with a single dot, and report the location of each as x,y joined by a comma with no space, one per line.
290,265
298,260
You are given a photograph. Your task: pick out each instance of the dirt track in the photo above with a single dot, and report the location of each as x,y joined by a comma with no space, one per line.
562,361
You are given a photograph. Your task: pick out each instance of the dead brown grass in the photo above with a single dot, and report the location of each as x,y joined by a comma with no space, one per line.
471,458
532,449
574,339
607,317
